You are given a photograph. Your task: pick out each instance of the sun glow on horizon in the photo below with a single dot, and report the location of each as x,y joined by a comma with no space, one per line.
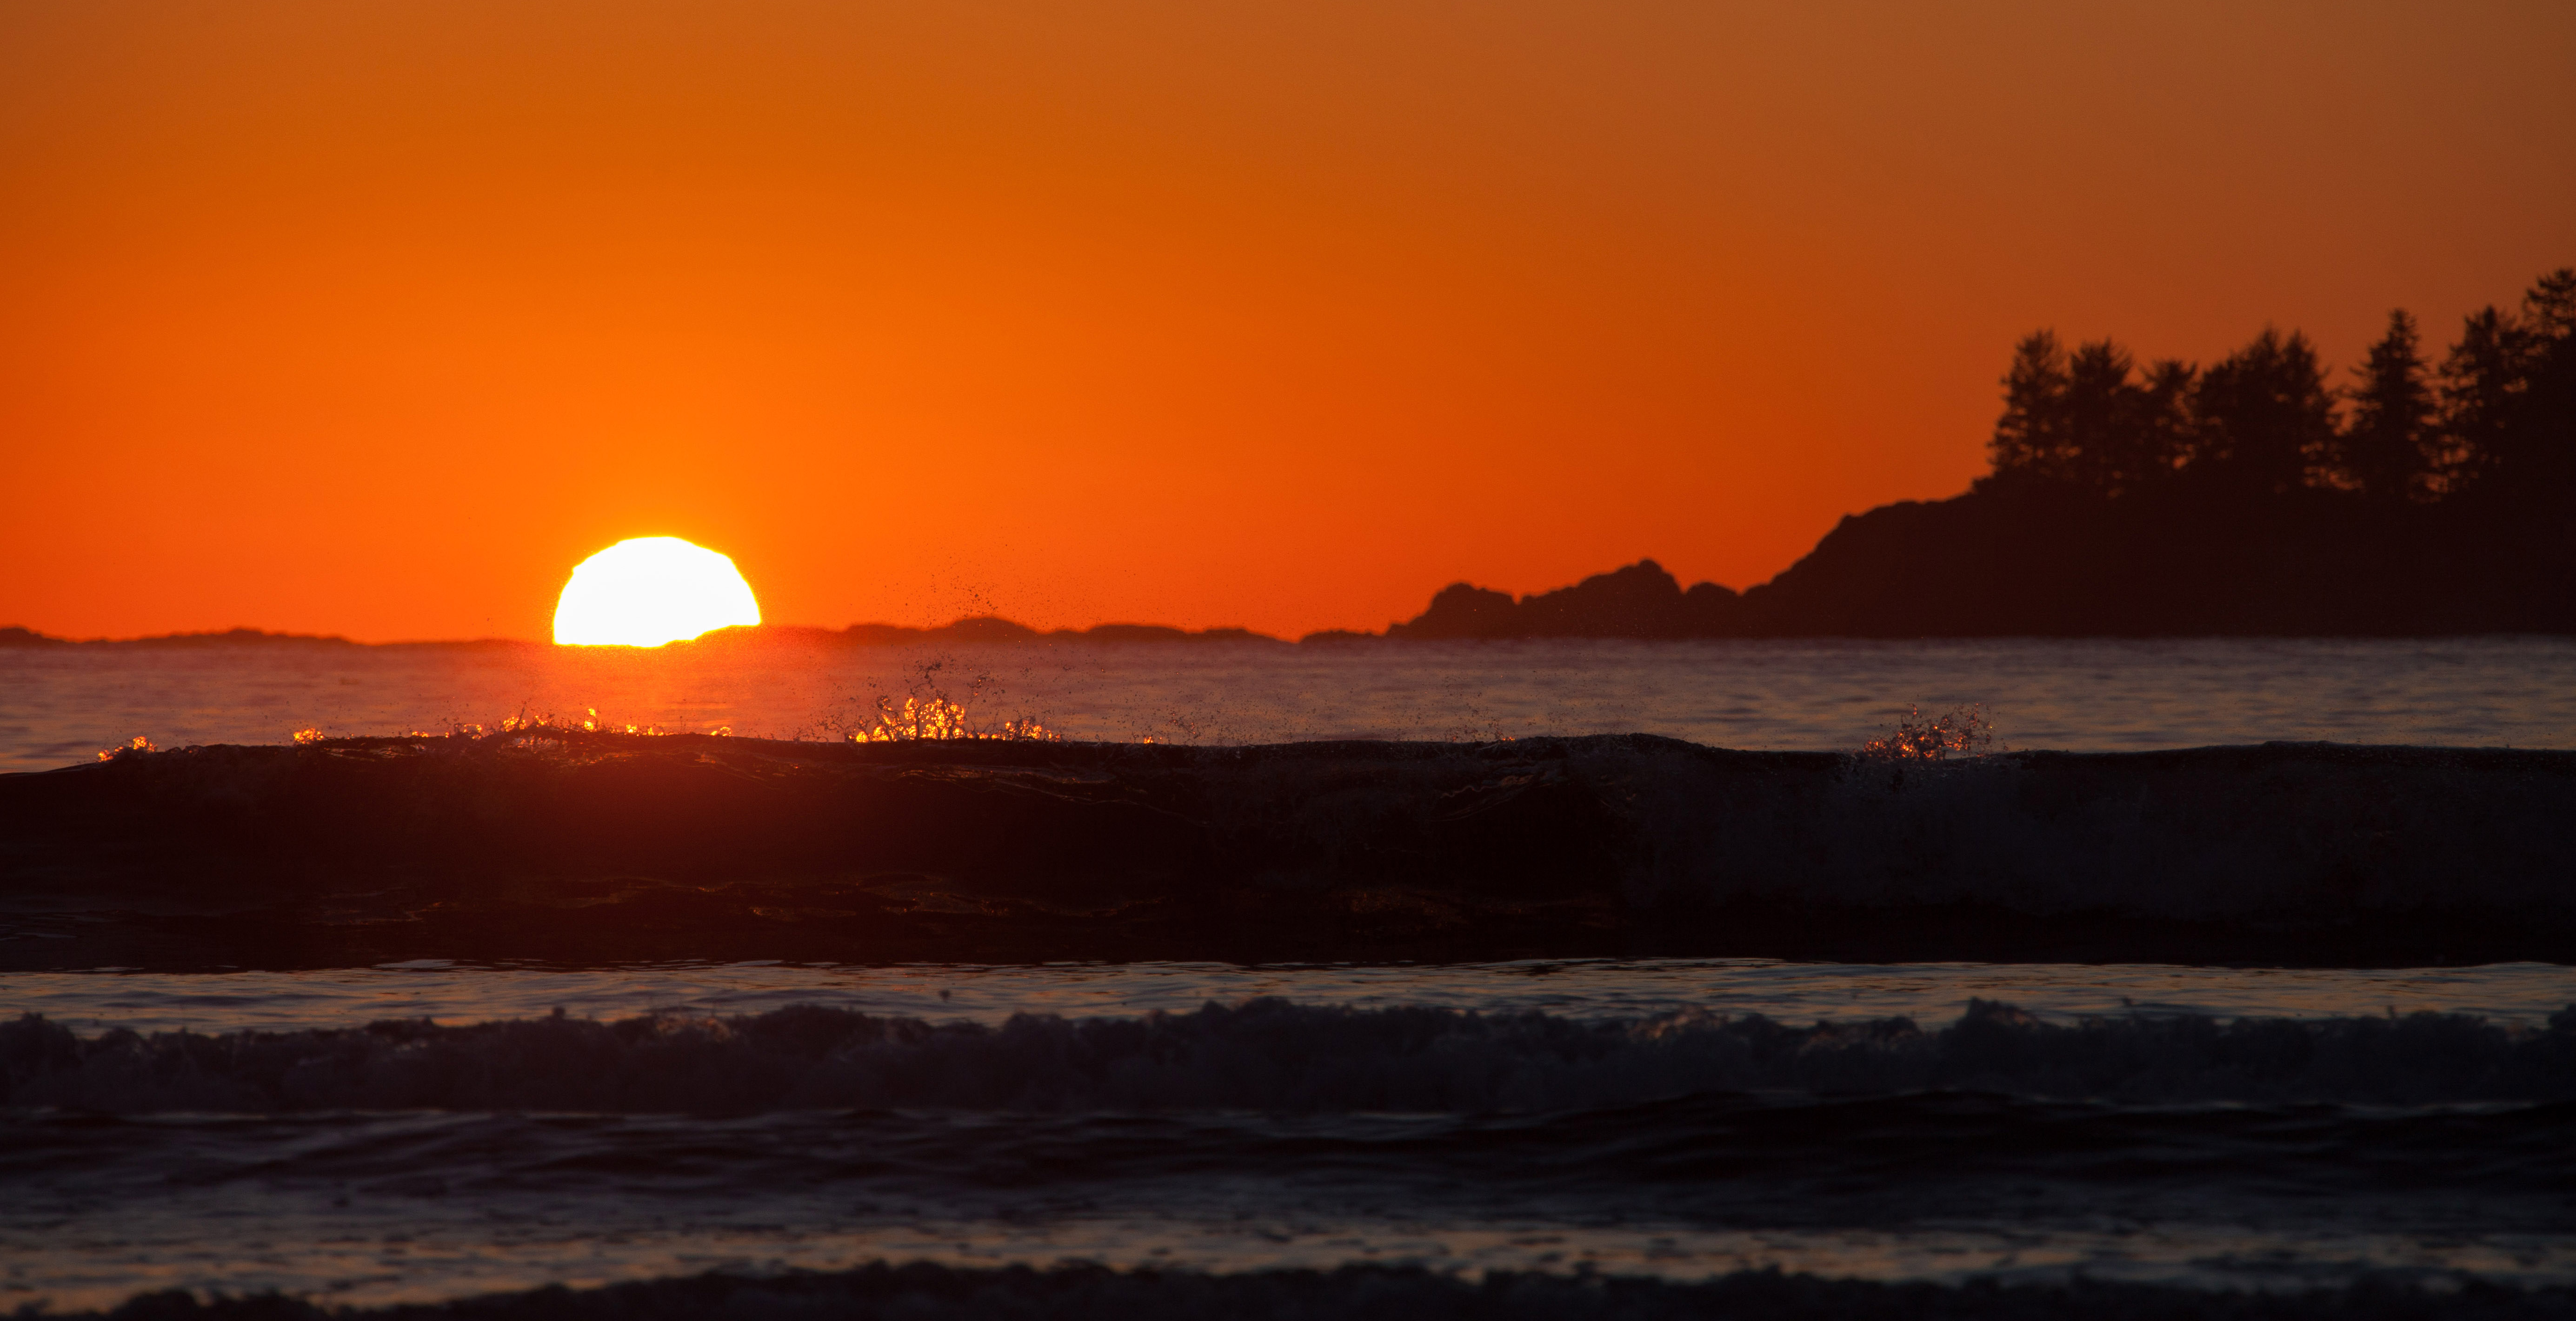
647,591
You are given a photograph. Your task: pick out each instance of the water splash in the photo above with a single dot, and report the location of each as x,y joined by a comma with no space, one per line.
1958,733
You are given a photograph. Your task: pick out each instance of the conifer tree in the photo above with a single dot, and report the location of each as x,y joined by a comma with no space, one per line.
2483,375
2030,438
2263,416
2125,434
2541,443
2385,450
2164,422
2085,420
2101,413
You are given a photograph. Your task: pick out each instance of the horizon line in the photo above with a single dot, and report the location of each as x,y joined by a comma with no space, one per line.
993,628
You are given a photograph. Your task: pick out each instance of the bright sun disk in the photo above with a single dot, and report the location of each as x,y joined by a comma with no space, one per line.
648,591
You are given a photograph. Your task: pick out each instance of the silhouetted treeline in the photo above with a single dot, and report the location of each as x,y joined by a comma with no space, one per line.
2251,496
2492,421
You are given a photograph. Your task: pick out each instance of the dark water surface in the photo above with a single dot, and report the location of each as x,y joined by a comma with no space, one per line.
443,1128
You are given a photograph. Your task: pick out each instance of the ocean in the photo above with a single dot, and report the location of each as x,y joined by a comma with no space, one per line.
62,705
1521,979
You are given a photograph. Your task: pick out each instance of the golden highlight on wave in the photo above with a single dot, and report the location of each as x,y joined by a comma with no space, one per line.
1956,734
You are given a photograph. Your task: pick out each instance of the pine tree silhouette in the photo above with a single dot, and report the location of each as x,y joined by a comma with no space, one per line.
2030,440
2163,437
2386,450
2085,421
2263,416
2482,377
2100,412
2540,439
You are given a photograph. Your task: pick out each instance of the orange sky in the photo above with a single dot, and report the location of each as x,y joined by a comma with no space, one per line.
375,318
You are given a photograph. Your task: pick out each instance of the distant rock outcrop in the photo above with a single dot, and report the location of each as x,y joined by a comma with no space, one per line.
977,630
1639,601
1463,610
14,636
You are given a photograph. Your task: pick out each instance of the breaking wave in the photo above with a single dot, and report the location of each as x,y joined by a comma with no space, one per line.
1270,1055
589,848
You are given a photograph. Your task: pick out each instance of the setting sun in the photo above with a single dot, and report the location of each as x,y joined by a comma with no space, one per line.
648,591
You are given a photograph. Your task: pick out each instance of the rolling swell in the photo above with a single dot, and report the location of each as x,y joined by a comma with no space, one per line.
1709,1160
1269,1055
607,847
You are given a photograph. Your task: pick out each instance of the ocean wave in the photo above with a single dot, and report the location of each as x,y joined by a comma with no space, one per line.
923,1291
1713,1160
601,847
1269,1055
